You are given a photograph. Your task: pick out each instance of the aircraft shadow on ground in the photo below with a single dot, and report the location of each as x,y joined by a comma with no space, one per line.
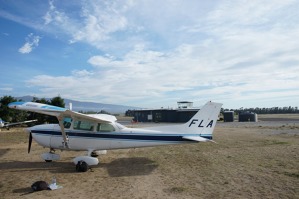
134,166
120,167
23,191
54,167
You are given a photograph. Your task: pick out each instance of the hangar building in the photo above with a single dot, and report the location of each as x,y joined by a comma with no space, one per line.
183,113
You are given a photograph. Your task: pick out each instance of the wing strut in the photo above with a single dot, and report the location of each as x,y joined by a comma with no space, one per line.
64,136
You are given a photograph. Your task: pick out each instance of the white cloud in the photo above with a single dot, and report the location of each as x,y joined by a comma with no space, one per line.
232,51
48,17
81,73
32,41
6,88
101,61
147,75
93,24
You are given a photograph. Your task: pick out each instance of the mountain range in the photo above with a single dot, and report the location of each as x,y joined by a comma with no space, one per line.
89,106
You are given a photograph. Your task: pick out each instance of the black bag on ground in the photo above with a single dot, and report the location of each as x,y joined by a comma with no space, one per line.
39,186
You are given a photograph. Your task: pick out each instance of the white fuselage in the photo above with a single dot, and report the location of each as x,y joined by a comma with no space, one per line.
49,135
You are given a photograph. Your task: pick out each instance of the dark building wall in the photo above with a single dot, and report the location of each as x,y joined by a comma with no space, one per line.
141,116
171,116
163,115
185,116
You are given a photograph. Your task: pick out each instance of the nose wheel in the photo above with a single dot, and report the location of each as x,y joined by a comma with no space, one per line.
50,156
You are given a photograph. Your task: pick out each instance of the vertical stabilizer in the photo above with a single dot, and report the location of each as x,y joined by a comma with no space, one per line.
204,121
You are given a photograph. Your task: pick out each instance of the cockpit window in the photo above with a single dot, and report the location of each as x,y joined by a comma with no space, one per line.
104,127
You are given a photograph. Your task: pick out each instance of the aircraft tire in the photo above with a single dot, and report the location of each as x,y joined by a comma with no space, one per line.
94,154
81,166
48,160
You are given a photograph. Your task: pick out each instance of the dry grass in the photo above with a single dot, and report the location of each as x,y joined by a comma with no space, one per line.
249,161
278,117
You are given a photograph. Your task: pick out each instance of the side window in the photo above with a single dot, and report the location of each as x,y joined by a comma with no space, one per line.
67,122
104,127
83,125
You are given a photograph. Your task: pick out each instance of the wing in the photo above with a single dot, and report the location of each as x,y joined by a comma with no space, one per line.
60,113
37,108
100,118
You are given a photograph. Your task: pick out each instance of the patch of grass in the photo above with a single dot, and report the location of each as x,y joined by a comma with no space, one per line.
278,142
16,135
275,142
295,175
177,189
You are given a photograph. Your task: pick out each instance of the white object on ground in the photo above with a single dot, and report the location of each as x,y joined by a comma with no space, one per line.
54,186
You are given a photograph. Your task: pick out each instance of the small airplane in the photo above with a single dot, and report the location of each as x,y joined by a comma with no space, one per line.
96,133
6,125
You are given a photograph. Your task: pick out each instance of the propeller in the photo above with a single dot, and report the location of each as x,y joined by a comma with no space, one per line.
28,130
30,141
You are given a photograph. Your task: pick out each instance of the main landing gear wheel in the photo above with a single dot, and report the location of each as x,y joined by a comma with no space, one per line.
94,154
82,166
83,163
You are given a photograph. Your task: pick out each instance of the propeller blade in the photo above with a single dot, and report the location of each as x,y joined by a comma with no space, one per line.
30,141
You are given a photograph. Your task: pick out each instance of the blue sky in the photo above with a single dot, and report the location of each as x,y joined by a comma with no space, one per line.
151,54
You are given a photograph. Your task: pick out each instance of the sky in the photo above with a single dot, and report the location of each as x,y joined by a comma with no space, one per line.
151,54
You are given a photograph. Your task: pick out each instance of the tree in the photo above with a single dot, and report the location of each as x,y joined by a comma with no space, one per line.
42,100
57,101
10,115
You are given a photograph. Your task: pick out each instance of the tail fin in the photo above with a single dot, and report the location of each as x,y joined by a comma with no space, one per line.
199,128
203,122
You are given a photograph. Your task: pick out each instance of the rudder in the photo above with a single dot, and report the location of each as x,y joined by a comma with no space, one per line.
204,121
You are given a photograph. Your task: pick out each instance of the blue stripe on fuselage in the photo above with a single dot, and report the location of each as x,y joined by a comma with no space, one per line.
168,138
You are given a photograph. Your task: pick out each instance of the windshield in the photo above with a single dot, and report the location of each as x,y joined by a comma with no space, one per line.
120,126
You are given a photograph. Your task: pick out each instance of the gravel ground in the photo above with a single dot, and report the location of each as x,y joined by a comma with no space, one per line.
250,160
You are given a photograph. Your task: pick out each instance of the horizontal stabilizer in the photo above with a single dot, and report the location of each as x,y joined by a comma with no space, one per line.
196,138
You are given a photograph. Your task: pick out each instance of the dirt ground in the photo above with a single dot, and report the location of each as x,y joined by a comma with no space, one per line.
249,160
